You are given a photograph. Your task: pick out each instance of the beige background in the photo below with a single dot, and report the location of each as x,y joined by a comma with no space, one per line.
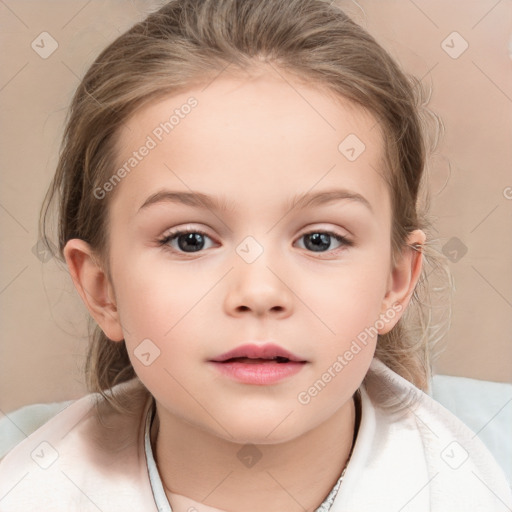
44,333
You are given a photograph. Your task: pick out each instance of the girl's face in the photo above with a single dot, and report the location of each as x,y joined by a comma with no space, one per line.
226,164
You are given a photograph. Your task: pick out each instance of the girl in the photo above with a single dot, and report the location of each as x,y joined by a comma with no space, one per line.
238,194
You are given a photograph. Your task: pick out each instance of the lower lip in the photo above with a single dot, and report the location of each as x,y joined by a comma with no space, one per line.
259,373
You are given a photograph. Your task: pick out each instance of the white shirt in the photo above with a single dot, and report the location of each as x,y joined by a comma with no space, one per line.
414,456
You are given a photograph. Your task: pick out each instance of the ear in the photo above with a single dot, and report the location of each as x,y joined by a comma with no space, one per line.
402,280
94,287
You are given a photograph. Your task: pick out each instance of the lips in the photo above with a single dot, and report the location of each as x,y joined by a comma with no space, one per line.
251,353
260,365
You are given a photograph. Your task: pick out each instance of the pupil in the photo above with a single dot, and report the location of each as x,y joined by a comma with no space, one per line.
195,241
319,241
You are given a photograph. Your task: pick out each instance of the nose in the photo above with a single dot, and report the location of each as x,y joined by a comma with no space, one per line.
258,288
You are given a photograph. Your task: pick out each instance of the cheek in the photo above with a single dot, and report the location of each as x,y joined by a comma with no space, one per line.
161,327
350,307
149,288
169,305
349,299
152,303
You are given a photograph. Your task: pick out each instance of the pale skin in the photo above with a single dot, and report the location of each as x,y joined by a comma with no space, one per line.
258,143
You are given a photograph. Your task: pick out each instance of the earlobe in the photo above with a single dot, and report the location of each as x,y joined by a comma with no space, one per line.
403,279
93,285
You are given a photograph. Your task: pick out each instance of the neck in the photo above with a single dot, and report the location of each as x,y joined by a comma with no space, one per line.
197,467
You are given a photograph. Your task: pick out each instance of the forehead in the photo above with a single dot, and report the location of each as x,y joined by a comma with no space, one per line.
267,134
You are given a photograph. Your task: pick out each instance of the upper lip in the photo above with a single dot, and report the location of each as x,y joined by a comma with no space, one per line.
252,351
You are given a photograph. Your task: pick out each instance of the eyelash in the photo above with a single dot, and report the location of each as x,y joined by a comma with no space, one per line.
164,242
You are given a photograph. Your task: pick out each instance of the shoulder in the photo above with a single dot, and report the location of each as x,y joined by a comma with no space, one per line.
418,456
75,459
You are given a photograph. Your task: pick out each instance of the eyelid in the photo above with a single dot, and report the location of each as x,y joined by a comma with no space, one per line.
185,228
192,228
327,230
319,228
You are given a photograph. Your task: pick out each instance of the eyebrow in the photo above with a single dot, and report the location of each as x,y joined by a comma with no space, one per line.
300,201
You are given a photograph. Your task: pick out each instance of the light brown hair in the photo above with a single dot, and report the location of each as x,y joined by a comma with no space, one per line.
189,42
